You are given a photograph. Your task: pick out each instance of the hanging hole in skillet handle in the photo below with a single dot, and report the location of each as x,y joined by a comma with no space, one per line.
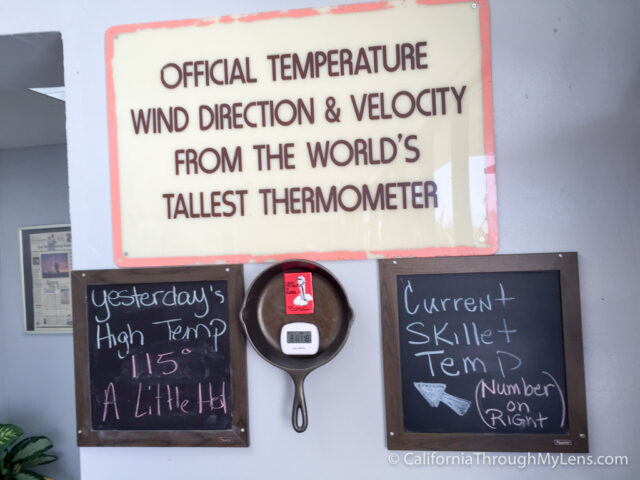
299,417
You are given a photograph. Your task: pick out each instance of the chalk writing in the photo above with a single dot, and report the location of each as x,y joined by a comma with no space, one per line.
493,337
214,329
434,393
106,299
160,359
516,410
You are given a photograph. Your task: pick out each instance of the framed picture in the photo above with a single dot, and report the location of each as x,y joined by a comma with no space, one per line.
484,353
181,379
45,254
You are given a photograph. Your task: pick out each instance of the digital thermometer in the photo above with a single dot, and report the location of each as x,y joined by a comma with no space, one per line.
299,338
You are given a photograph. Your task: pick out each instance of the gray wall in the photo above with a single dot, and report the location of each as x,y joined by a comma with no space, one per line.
566,122
565,77
37,392
31,60
3,334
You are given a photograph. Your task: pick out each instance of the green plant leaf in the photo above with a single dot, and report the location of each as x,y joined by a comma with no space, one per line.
39,460
29,448
29,475
3,453
9,434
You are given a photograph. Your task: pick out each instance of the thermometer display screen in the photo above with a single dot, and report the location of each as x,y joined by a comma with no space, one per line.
298,337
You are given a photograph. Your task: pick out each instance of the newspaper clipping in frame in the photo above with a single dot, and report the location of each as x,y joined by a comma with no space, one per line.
46,256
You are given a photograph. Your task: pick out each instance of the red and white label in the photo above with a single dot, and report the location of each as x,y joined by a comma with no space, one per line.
298,292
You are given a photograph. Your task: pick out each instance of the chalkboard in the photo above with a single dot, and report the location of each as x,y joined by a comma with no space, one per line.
160,358
484,353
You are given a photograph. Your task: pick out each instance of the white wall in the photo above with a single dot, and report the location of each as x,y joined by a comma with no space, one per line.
566,121
37,389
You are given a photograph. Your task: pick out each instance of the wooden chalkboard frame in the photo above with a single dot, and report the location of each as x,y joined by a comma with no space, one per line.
575,440
238,435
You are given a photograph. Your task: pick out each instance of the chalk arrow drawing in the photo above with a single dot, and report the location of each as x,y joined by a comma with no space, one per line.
434,394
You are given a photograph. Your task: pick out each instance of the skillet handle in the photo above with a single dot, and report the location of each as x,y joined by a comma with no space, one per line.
299,404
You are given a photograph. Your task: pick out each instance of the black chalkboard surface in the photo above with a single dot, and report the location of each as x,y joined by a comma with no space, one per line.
492,341
160,359
484,352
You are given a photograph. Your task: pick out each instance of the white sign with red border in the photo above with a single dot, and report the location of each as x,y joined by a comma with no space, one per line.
351,132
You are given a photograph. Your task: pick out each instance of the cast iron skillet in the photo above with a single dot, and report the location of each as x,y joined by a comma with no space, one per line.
263,314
